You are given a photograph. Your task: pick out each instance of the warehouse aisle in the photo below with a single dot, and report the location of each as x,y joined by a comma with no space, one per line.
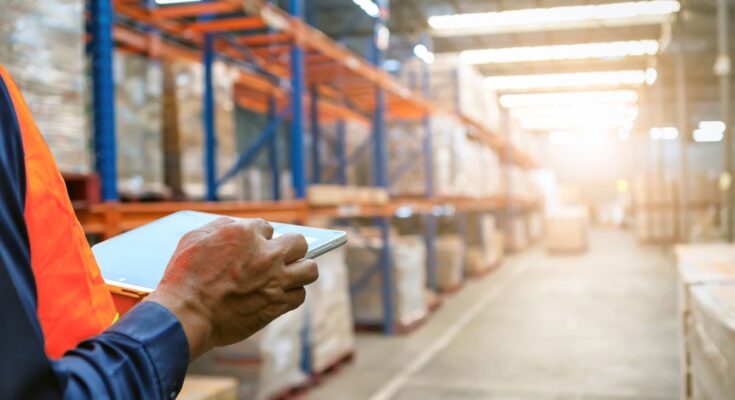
597,326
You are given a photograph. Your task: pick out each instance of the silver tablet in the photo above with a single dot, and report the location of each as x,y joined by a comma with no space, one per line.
134,262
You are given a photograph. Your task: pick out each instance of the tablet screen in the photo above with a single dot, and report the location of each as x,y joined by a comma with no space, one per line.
137,259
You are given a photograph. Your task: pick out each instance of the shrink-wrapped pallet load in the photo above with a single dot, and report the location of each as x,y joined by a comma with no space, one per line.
42,47
711,341
698,264
138,110
189,92
484,249
267,364
330,312
408,256
567,230
450,262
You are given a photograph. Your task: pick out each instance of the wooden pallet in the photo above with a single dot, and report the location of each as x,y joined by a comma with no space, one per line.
318,377
294,393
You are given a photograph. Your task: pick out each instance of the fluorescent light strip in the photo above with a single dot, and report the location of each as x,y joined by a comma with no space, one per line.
701,136
566,80
572,17
569,98
664,133
582,51
423,54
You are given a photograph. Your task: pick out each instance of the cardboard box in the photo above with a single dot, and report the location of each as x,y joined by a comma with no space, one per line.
711,340
330,312
408,255
450,262
698,264
567,230
208,388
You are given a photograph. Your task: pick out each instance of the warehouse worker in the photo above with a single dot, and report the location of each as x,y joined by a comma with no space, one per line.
225,281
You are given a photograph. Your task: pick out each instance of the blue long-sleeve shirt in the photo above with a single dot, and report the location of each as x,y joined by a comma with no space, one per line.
143,356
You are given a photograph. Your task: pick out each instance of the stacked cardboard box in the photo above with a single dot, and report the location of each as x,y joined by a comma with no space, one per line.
655,201
267,364
408,255
138,102
189,92
711,341
208,388
330,312
335,195
484,245
698,265
359,170
450,262
42,47
566,230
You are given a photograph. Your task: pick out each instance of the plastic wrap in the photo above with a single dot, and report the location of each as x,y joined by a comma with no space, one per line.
450,261
139,112
711,341
483,248
330,312
266,364
42,47
408,255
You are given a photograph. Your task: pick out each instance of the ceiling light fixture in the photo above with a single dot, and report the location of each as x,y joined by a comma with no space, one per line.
566,80
423,54
569,98
555,18
369,7
709,131
581,51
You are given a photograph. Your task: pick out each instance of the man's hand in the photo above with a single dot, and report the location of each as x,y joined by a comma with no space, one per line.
228,279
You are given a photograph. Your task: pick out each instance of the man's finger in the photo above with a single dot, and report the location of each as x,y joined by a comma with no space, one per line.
293,245
295,297
299,274
261,227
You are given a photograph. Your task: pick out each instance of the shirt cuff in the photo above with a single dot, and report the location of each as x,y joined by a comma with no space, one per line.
164,340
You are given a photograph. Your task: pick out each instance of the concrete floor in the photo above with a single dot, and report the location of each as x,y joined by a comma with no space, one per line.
597,326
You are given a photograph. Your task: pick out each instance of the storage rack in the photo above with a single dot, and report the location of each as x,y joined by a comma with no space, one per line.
253,35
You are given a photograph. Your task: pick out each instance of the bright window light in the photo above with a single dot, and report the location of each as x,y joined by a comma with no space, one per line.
569,98
582,51
423,53
566,80
701,136
369,7
572,17
576,111
165,2
561,137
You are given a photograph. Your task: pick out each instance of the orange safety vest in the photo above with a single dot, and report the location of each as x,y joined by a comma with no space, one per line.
73,301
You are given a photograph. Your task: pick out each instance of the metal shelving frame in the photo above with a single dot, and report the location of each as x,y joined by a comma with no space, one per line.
273,47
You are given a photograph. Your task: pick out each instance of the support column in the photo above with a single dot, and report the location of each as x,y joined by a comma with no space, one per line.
210,127
428,148
315,136
103,96
682,112
723,70
298,167
341,153
274,151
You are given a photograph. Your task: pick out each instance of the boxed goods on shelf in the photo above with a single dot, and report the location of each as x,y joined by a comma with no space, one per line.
484,245
189,92
517,238
698,264
43,49
656,202
336,195
330,312
266,364
357,150
406,158
208,388
408,256
450,262
567,230
138,110
711,341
